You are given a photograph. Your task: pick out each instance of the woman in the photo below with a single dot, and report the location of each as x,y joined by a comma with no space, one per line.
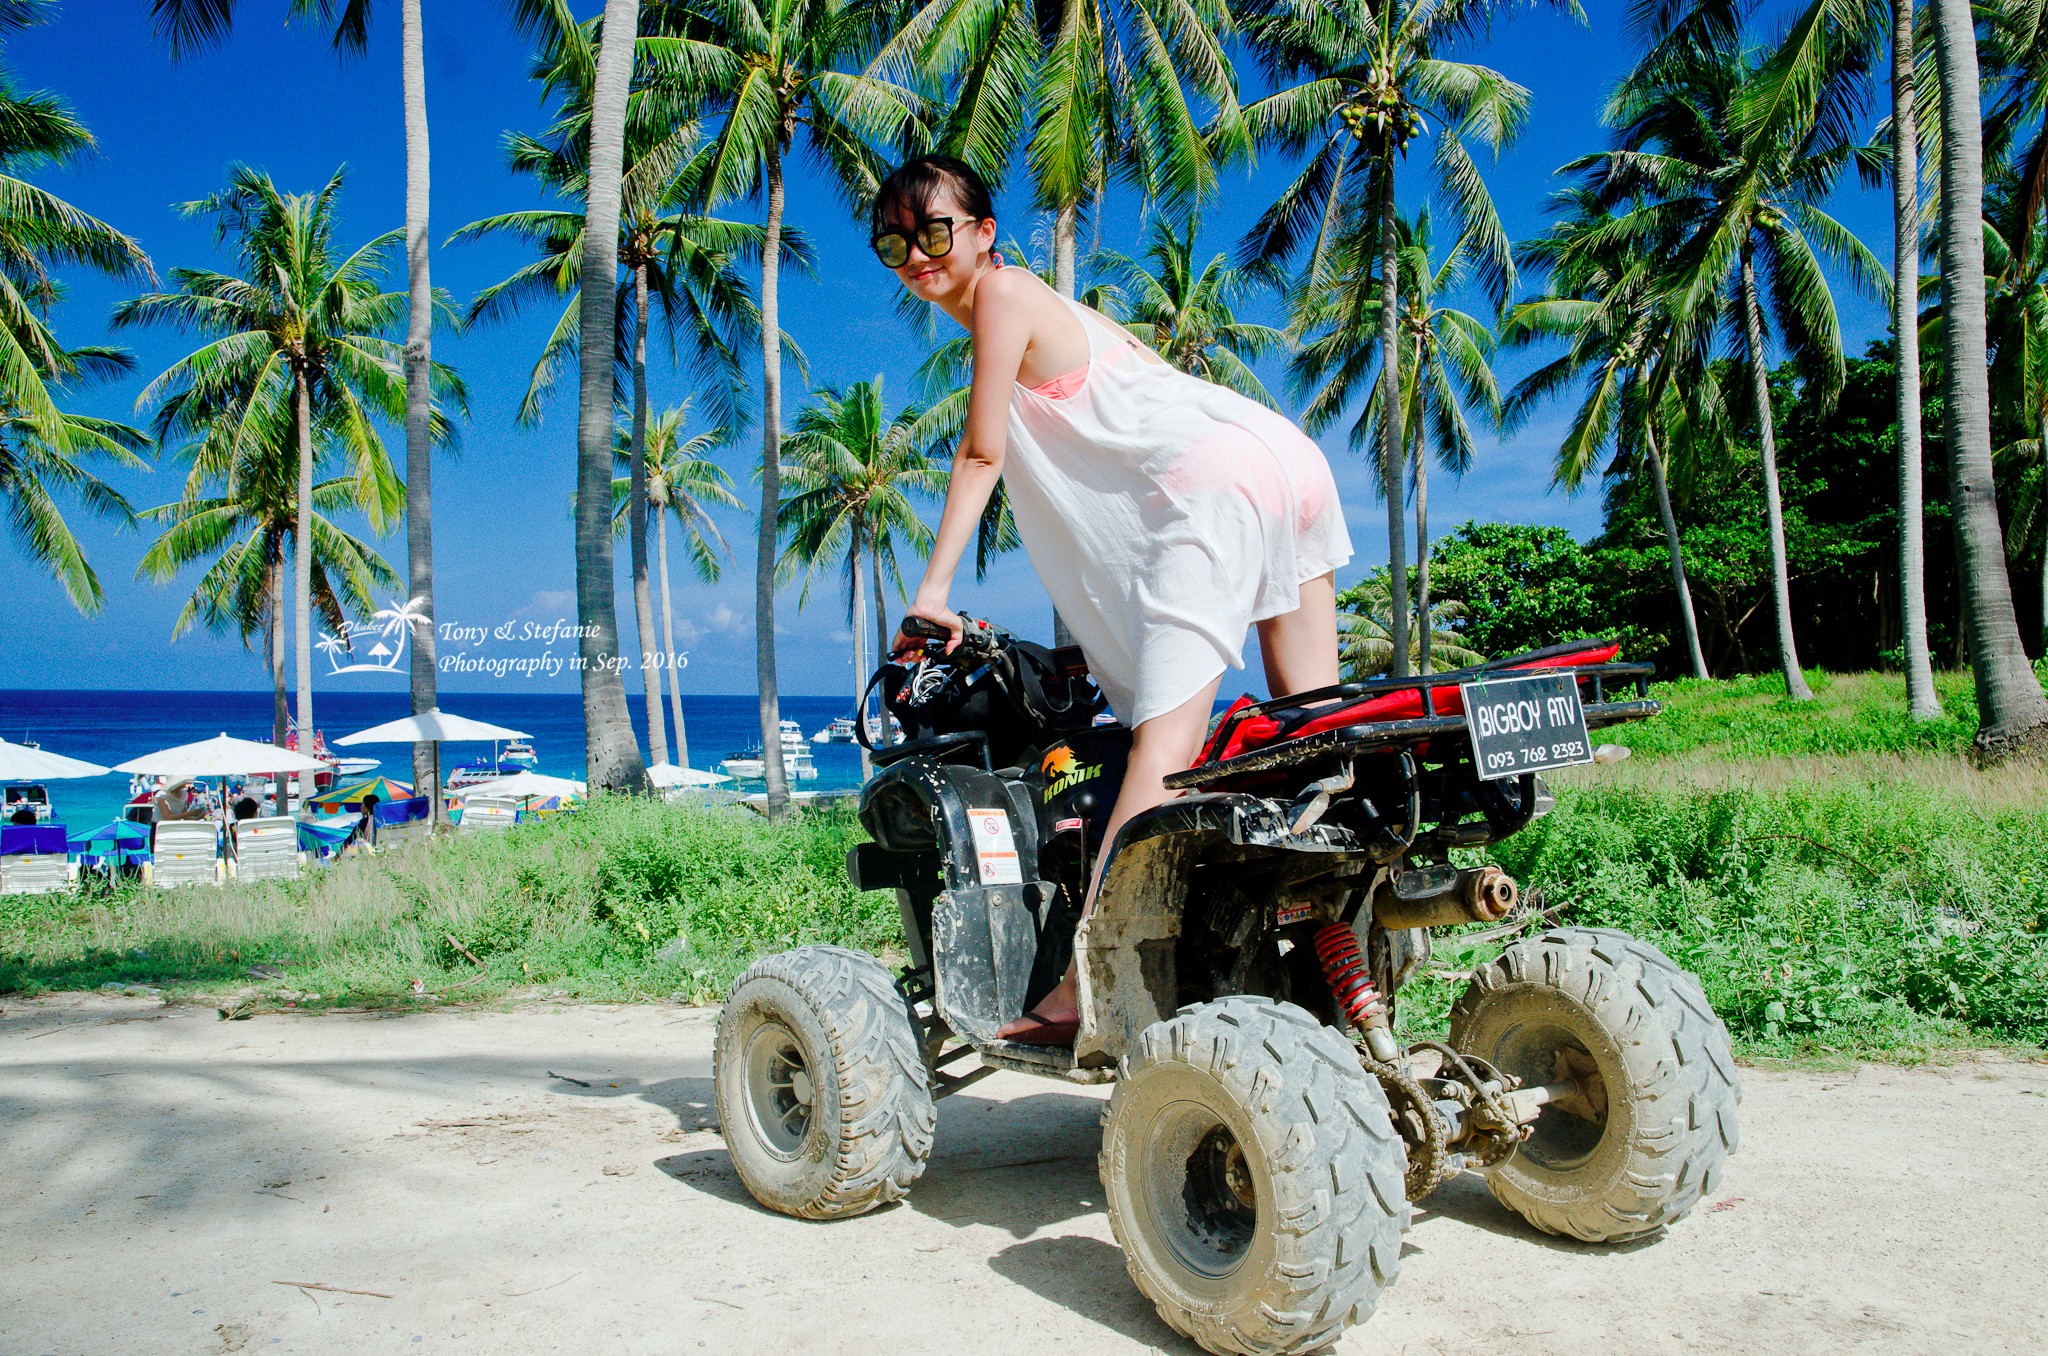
1163,514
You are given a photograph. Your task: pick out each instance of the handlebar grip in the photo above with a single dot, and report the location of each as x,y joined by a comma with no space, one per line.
921,628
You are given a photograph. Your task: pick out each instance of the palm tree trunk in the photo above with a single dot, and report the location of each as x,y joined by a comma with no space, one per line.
1774,508
882,634
668,644
611,754
302,571
2010,705
1671,544
1391,442
771,490
860,650
636,527
1922,703
1423,629
419,396
1065,226
280,710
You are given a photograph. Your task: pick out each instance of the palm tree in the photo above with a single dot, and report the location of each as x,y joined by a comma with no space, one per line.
245,523
678,262
191,24
764,71
2011,708
1092,89
1365,647
1732,194
682,483
1606,302
680,479
854,469
301,327
44,450
1190,317
1370,84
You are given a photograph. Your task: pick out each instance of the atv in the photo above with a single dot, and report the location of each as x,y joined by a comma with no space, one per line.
1268,1130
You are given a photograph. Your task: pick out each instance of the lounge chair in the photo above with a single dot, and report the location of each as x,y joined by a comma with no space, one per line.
186,852
34,861
395,823
489,812
267,849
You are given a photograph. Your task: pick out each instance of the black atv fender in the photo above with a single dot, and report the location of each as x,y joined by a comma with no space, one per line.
1126,947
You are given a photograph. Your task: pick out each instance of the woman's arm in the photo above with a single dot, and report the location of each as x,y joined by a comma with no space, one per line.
1002,331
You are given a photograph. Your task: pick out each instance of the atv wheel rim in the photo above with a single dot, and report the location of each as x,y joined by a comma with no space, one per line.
1542,1052
1199,1190
780,1090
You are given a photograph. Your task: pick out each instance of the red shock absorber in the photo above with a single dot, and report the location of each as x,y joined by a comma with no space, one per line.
1345,968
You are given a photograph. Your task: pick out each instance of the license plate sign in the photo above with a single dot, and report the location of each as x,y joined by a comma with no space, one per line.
1526,725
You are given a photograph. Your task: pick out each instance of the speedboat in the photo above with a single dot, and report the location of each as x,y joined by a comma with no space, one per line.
840,731
748,766
26,798
354,767
477,773
519,751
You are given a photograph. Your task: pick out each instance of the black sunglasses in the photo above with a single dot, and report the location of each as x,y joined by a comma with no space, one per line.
934,235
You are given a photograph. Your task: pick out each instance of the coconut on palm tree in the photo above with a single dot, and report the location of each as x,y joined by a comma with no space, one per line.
764,73
1740,202
854,469
301,326
1366,85
190,24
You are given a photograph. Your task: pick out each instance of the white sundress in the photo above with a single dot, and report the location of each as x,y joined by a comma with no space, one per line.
1165,515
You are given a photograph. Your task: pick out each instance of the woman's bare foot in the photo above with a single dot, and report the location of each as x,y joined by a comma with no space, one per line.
1055,1020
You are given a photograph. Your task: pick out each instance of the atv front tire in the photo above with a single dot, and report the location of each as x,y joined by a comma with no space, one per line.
822,1095
1657,1123
1253,1177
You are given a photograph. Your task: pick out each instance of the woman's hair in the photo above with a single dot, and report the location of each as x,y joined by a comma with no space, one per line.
909,191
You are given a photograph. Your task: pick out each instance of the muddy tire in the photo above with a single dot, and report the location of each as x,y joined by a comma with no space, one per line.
1253,1177
822,1096
1655,1137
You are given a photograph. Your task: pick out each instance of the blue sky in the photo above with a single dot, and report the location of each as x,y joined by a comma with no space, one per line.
277,98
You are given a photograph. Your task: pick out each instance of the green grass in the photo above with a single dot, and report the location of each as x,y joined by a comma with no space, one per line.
1843,881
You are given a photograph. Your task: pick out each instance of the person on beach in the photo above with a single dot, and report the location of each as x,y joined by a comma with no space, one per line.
1164,514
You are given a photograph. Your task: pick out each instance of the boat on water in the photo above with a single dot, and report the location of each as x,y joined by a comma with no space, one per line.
519,751
478,772
843,731
26,798
354,767
750,766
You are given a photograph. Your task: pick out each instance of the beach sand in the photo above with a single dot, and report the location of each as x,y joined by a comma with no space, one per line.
167,1169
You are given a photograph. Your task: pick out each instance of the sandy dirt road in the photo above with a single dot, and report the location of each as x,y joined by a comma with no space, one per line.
164,1169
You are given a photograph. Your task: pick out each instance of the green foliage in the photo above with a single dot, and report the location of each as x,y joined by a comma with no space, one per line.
625,899
1525,586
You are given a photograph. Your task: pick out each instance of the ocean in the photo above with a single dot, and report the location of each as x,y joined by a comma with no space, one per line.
109,727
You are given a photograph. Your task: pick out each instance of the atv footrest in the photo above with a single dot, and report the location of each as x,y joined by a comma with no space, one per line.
1052,1061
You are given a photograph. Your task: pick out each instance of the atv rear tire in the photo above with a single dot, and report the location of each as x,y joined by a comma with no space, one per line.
1253,1177
1656,1135
822,1095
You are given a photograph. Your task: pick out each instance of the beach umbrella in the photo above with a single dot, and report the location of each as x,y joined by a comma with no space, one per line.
220,757
433,726
667,776
383,788
525,786
24,763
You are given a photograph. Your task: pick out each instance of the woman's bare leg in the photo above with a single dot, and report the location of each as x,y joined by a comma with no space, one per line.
1160,747
1300,647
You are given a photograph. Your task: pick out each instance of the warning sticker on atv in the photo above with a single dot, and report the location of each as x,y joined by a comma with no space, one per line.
1526,725
995,848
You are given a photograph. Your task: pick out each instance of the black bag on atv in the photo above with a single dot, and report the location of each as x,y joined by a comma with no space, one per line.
1017,695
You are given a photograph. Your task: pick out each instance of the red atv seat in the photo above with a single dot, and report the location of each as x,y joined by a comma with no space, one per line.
1256,732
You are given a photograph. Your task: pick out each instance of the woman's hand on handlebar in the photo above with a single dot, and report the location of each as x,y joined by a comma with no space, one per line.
938,615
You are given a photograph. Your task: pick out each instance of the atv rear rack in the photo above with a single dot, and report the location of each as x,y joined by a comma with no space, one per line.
1371,735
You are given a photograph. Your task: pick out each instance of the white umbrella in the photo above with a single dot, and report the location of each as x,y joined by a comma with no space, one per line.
221,757
432,726
20,763
528,786
667,775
